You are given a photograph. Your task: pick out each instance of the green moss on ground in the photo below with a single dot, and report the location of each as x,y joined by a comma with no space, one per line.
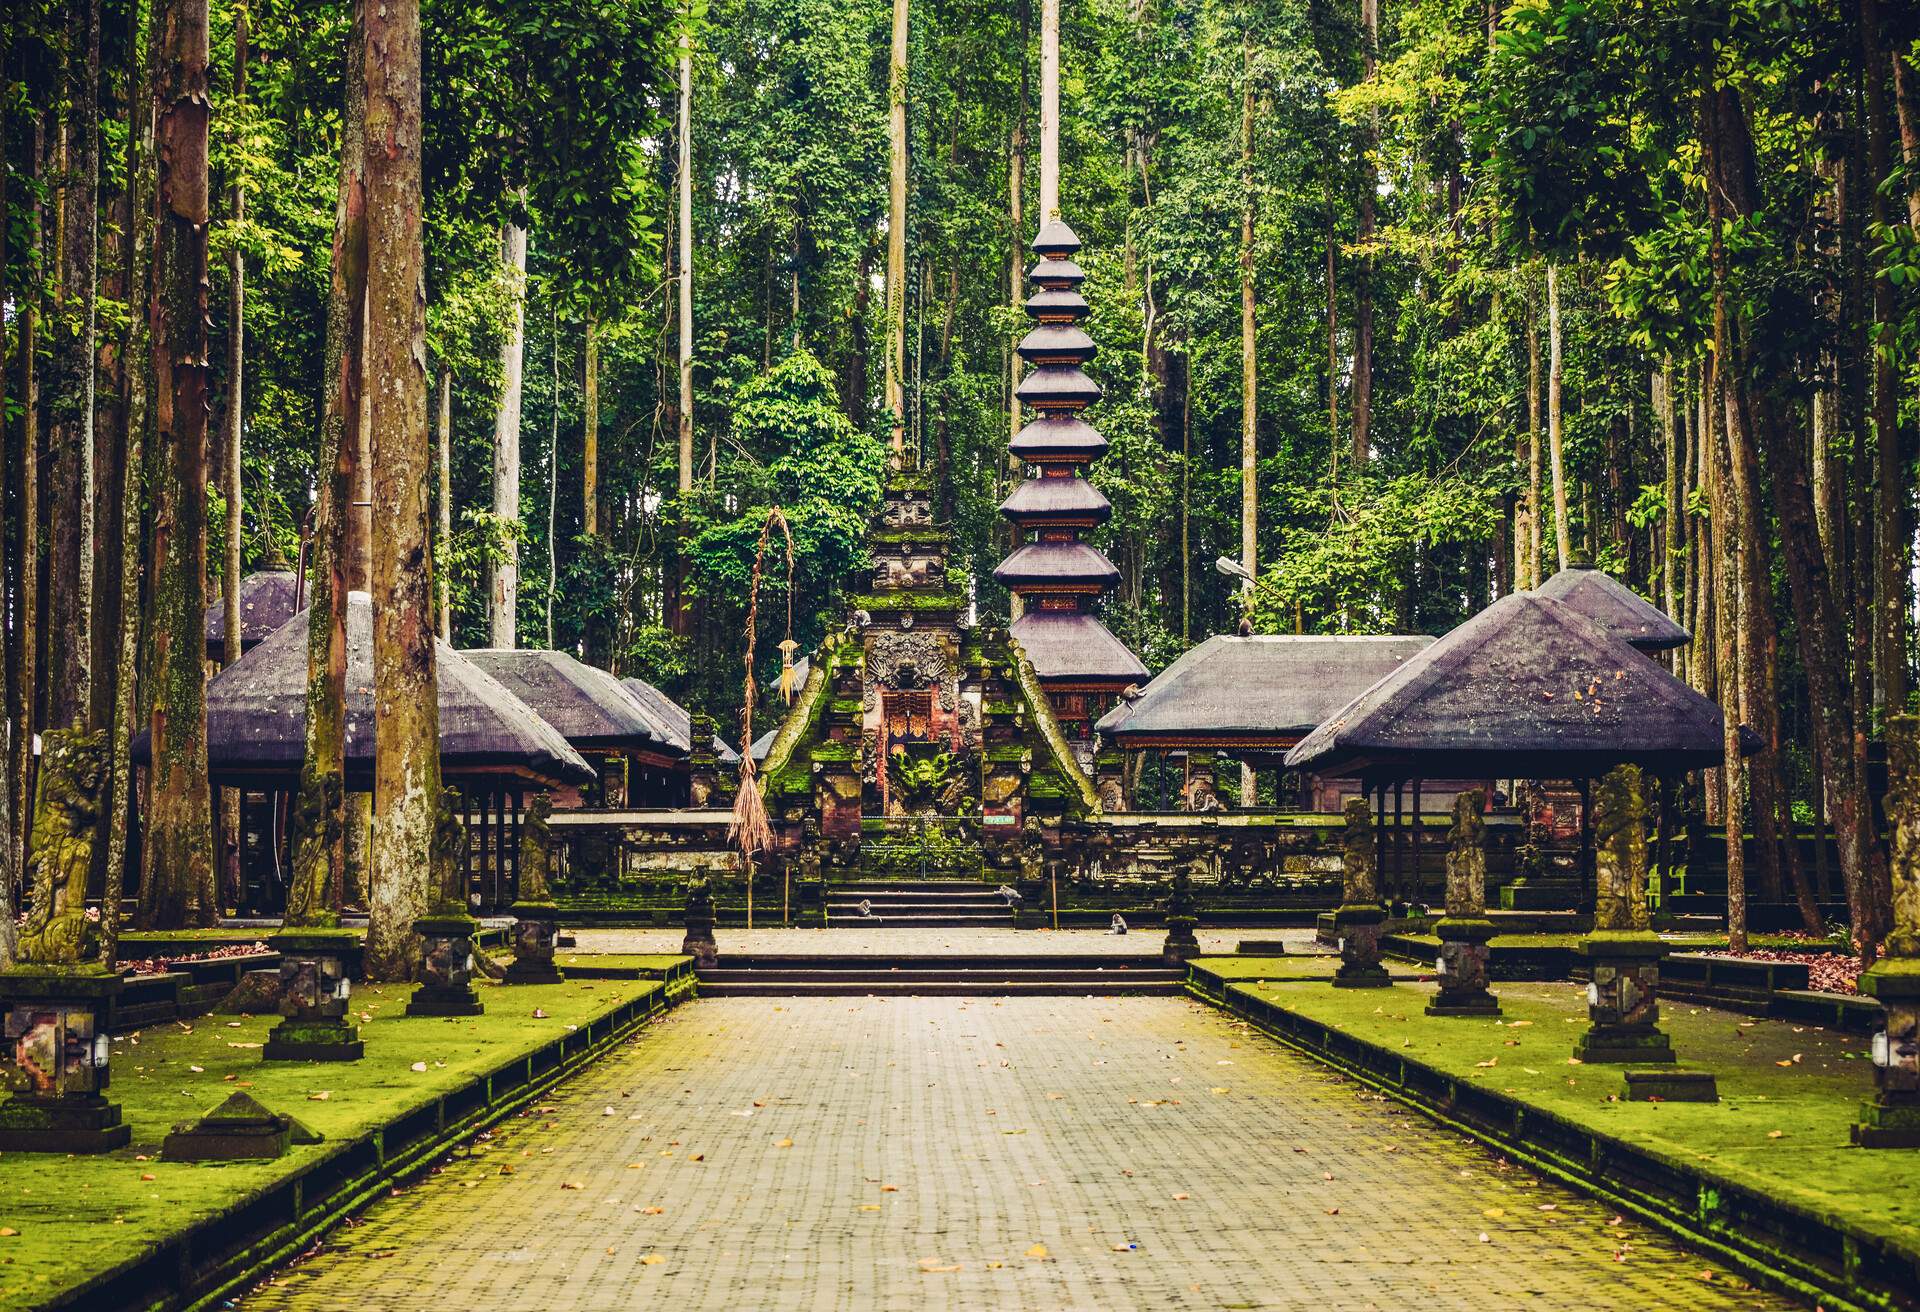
1788,1093
656,962
1276,970
75,1216
134,939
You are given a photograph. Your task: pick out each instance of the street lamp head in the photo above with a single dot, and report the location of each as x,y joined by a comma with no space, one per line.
1233,569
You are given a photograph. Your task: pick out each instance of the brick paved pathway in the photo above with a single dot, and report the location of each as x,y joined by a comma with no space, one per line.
749,1154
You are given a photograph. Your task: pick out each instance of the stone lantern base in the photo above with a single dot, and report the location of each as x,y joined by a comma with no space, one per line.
447,989
313,997
56,1032
1622,1002
699,942
1358,928
1891,1118
1181,944
1462,968
535,925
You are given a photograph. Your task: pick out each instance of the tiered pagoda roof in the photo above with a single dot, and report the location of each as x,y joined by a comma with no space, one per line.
1056,574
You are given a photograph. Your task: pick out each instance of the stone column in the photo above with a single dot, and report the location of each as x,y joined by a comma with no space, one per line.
1358,919
535,917
1181,945
313,997
1465,929
1622,1005
446,987
58,997
1891,1118
699,942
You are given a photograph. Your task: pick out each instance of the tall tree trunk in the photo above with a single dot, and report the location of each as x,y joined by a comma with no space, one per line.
1563,542
1893,550
1362,403
232,485
1333,344
1535,508
406,780
136,353
590,433
443,506
553,467
505,593
9,866
1673,521
1249,366
1016,250
1727,627
321,814
180,814
1906,95
70,589
28,669
678,614
897,230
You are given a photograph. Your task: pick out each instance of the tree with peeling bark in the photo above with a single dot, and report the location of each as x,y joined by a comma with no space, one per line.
179,890
406,780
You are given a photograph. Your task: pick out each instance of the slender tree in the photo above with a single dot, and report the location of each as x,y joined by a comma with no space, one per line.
180,889
406,705
897,227
505,602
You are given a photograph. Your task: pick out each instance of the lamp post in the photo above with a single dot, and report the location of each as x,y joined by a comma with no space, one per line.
1249,584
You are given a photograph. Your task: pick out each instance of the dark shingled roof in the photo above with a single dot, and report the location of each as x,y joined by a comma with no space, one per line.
1057,341
1061,384
1070,646
1527,688
1043,563
1269,691
1055,498
266,602
590,708
1056,435
257,714
674,719
1056,238
1615,607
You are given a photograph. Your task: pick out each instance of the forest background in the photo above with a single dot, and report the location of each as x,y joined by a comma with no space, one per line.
1411,303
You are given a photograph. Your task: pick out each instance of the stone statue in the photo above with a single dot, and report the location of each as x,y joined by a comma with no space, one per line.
699,942
536,849
1033,852
1360,868
448,853
1467,857
66,824
1620,851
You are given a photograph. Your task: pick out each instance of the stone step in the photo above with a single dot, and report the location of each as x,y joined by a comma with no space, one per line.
957,920
903,906
1044,975
828,987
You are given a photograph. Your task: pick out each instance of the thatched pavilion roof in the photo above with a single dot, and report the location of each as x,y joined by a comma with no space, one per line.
257,714
1255,692
674,719
266,602
1615,607
1070,646
1528,688
592,710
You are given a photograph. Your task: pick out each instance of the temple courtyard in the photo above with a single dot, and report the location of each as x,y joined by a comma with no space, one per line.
997,1152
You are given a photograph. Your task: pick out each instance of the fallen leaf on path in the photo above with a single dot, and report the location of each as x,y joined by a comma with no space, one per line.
1038,1250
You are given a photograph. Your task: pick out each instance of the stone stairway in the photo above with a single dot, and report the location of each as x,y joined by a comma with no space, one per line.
940,976
918,904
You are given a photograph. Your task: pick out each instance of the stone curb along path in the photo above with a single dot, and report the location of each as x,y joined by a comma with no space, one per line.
203,1264
1774,1244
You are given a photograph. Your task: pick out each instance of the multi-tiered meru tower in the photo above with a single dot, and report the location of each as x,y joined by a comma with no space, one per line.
1057,576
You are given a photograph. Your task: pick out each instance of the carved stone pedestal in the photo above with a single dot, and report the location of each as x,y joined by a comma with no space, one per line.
1463,969
313,997
1358,932
534,929
56,1031
448,987
699,942
1622,1001
1891,1118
